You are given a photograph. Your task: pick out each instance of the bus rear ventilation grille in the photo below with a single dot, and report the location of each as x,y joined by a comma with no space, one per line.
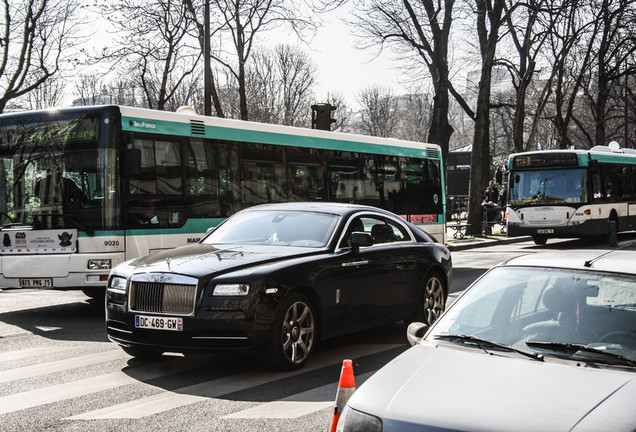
197,127
432,154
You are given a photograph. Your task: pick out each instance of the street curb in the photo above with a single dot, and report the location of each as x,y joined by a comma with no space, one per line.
473,244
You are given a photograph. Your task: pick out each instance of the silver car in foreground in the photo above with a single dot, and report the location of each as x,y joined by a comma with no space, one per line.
541,342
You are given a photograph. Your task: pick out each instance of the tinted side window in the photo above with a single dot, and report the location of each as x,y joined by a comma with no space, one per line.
155,196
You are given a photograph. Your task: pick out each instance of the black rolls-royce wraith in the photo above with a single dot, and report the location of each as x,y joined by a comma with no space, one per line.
277,278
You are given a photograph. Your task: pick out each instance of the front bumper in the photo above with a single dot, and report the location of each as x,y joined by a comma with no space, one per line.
217,325
585,229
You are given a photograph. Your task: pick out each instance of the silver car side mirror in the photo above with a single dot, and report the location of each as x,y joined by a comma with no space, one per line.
415,332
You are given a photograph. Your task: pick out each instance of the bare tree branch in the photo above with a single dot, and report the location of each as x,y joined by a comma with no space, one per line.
36,37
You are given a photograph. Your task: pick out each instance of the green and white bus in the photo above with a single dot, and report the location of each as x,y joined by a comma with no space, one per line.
571,193
83,189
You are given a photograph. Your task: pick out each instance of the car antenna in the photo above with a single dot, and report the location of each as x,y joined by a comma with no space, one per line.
589,263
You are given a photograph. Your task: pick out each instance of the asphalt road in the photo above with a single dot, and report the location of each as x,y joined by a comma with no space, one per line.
58,371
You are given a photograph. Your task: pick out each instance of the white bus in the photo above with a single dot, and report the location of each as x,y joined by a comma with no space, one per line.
83,189
571,193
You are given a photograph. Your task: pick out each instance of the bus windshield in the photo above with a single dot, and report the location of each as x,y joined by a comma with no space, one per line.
51,172
545,187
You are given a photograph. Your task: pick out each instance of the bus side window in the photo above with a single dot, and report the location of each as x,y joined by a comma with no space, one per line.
168,168
146,180
612,183
630,183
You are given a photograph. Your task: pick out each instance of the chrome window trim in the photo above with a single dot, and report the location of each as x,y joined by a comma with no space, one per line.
399,221
219,337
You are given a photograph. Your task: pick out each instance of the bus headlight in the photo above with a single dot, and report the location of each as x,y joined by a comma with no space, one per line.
231,290
99,264
118,284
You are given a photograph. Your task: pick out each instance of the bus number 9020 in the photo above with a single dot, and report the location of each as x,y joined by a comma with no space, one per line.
111,243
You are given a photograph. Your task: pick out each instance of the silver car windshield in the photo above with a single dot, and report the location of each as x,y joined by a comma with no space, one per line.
280,228
555,311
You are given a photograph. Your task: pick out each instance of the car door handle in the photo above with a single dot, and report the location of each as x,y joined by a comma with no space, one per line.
355,263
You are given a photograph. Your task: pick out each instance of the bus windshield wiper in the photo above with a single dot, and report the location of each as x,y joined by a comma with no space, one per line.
71,218
16,224
11,220
480,342
572,348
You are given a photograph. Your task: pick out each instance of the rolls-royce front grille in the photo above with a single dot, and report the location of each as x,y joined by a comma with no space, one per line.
159,297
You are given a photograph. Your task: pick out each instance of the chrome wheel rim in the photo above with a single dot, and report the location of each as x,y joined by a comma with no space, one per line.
433,299
298,332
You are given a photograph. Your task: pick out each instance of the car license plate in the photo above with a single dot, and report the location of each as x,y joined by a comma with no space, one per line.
159,323
545,231
36,283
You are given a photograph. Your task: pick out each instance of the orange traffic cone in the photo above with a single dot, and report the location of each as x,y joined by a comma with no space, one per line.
346,387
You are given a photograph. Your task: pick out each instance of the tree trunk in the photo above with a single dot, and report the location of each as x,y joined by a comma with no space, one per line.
480,156
600,108
441,130
488,25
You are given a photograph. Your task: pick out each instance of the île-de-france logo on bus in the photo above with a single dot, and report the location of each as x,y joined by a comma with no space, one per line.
143,124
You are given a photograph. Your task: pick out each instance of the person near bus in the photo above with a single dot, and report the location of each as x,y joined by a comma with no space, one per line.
503,197
490,204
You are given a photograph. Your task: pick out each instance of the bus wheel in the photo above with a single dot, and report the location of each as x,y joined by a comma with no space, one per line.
539,240
94,293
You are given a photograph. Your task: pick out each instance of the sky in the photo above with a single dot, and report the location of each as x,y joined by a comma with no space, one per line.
341,67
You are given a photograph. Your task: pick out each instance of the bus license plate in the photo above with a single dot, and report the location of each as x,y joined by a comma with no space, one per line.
36,283
545,231
159,323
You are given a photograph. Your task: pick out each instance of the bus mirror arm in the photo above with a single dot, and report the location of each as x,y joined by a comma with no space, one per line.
593,166
133,162
127,138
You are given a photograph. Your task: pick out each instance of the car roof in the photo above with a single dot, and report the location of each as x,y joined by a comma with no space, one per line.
342,209
619,260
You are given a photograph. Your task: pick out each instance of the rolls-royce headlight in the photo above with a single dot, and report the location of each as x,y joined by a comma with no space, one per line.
118,283
231,290
352,420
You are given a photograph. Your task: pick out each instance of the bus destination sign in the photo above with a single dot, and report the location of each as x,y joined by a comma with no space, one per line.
545,160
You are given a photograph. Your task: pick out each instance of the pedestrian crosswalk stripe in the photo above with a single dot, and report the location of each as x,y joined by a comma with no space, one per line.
60,392
202,391
31,352
296,405
60,365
